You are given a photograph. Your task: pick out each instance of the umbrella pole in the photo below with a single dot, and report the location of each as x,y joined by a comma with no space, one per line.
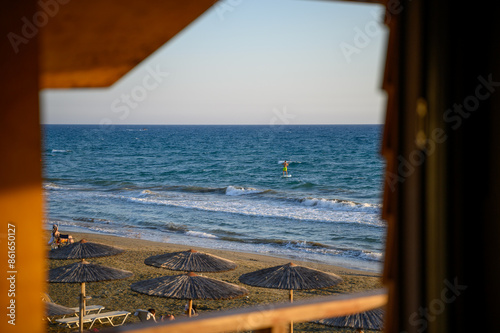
82,305
190,307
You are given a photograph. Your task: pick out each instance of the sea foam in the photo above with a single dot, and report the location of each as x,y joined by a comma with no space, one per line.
200,234
341,205
235,191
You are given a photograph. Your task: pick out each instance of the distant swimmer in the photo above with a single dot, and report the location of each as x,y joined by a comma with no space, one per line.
285,168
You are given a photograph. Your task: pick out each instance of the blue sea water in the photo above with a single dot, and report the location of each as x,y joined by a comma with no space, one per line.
221,187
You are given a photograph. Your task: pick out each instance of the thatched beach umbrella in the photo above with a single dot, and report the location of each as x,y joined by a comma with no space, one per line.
83,250
191,261
82,272
189,286
369,320
290,277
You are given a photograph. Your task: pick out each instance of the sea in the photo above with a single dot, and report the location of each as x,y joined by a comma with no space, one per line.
221,187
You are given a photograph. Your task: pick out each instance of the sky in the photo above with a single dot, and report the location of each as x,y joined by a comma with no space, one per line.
248,62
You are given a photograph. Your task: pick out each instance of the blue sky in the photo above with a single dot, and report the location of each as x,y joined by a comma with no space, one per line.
248,62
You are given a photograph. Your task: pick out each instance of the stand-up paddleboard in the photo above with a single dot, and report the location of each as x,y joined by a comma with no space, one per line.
286,176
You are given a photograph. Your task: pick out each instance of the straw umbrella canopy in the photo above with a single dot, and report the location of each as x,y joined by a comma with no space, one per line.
84,250
291,277
189,286
191,261
368,320
82,272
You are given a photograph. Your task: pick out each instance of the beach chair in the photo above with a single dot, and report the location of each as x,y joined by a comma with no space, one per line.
60,241
63,240
102,317
53,310
88,308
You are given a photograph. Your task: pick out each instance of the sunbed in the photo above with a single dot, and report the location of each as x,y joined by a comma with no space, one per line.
102,317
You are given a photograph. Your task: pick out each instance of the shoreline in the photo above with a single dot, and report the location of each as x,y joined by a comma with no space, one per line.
117,295
346,266
126,243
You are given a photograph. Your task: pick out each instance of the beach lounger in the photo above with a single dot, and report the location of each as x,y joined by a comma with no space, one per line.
103,318
62,240
88,309
53,310
76,311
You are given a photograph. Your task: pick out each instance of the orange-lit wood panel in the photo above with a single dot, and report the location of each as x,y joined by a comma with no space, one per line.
93,43
22,256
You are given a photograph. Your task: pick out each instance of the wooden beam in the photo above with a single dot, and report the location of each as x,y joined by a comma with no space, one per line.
282,328
93,43
269,318
22,251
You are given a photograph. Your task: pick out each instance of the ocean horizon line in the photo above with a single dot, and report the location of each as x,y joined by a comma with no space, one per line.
269,125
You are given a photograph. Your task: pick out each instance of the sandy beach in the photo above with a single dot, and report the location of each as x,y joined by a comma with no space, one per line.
117,295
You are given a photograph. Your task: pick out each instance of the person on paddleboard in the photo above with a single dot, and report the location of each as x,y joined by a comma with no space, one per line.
285,168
